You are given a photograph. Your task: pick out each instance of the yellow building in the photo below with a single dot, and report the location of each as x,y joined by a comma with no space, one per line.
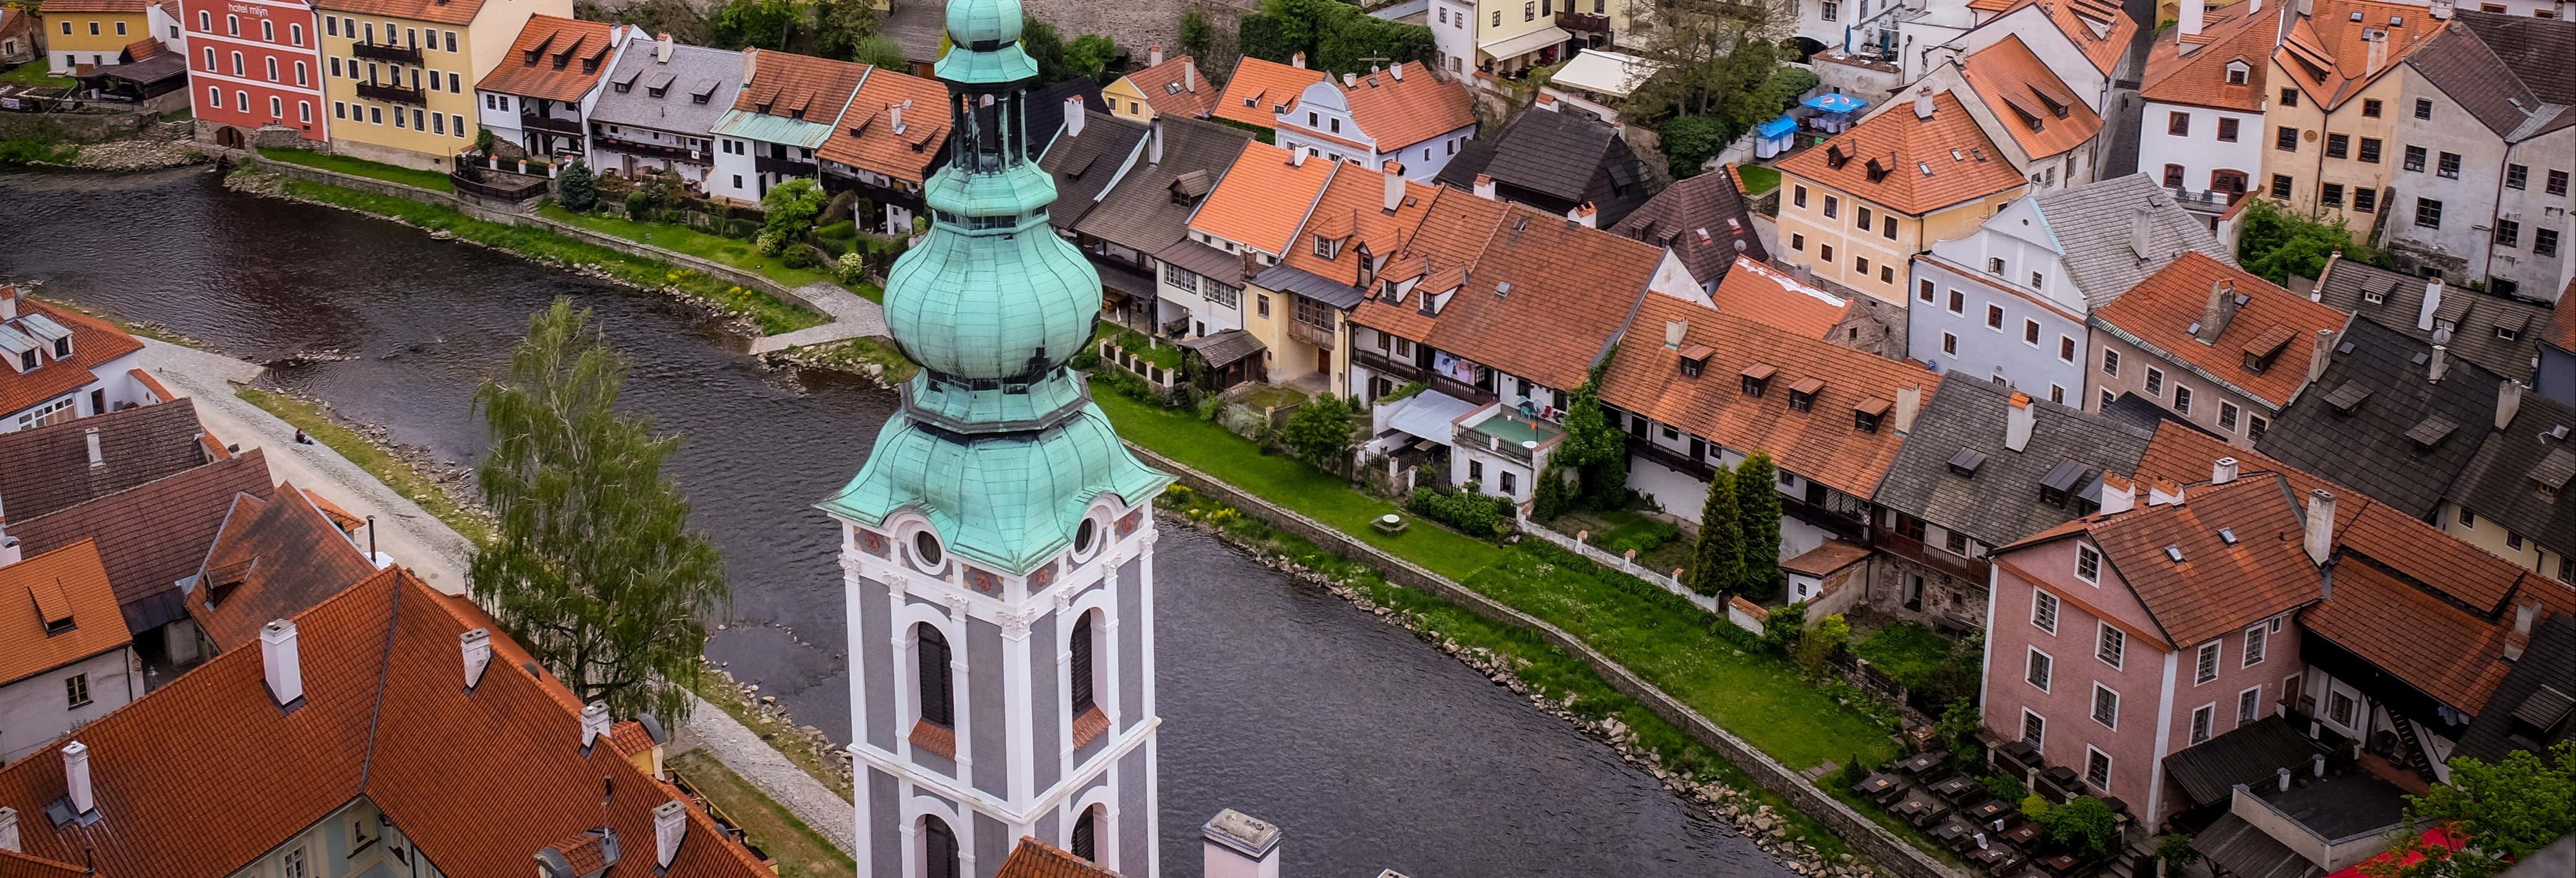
1165,86
1858,207
2329,146
93,32
401,73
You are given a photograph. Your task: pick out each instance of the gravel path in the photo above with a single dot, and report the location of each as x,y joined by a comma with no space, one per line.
852,317
741,749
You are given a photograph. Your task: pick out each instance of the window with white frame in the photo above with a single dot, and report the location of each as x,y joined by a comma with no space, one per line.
2097,768
2043,611
2110,644
2037,672
2088,564
2254,644
2106,706
2205,667
2034,728
2248,704
2202,718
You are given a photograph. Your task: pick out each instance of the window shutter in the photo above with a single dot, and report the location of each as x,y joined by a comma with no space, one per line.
1080,667
937,701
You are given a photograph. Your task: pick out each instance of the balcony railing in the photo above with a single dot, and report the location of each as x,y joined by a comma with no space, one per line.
643,148
1401,370
1918,552
390,93
386,52
1471,437
533,122
2205,199
1583,22
501,185
1319,336
782,167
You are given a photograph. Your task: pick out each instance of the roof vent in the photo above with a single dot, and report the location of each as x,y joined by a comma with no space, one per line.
2173,553
477,647
2227,535
1502,289
1965,463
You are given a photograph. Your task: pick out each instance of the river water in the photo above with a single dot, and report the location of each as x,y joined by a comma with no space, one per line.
1368,748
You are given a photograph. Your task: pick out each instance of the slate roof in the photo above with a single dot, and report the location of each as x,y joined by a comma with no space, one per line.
2349,285
1084,164
1822,444
2181,71
1265,197
1046,109
2163,315
1222,349
2535,49
65,587
2235,845
2367,447
153,535
2093,225
2461,66
2001,503
273,559
46,469
2040,112
1139,212
563,47
1677,217
866,139
2249,754
2508,482
1904,145
1260,90
692,70
94,342
1564,159
477,779
2549,660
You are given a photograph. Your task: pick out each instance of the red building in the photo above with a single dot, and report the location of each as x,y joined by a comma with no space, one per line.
254,63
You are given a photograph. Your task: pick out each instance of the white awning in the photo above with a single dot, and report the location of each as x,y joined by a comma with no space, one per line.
1513,47
1607,73
1428,414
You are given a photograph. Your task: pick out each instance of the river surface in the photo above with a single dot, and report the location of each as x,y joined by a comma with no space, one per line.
1370,749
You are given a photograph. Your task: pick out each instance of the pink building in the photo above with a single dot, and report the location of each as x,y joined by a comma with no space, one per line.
254,63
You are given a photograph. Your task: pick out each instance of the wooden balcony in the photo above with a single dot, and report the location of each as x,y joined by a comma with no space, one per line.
1583,23
1934,557
643,148
1400,370
386,52
534,122
393,94
782,167
1319,336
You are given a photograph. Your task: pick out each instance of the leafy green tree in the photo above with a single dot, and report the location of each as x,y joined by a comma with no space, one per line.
1717,560
1773,95
2084,823
1044,46
1689,141
881,51
1593,446
841,26
2277,244
1322,432
1818,644
1758,493
1958,726
592,565
1336,36
789,209
764,24
1550,497
1197,34
1089,55
2507,809
1707,52
575,188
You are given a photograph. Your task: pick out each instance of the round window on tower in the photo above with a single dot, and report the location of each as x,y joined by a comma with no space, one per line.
1086,536
925,550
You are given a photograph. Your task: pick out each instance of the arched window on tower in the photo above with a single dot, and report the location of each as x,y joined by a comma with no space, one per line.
938,849
1084,841
1080,668
938,698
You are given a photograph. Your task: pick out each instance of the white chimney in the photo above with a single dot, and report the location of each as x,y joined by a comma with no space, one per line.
9,831
8,303
1674,332
1154,55
1297,60
1398,70
477,647
1909,402
2440,363
662,48
2508,402
670,826
2019,418
1586,215
2442,10
1238,846
1296,158
2432,303
1394,173
9,552
1073,116
1923,103
76,778
2191,14
2283,776
96,457
594,724
1547,102
2253,6
1485,186
284,666
2378,51
750,64
2142,232
2164,492
1154,141
2321,511
1350,80
2223,471
894,116
1190,78
2118,494
2320,354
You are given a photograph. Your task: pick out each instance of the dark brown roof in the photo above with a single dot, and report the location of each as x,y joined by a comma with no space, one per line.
46,469
1084,164
2460,64
1704,219
2350,285
273,559
2535,49
155,534
1140,211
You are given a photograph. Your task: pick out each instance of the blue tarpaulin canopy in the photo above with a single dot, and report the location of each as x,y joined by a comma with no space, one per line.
1835,103
1777,127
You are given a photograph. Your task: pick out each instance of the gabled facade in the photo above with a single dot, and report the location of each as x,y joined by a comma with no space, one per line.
1164,87
1301,307
660,108
2329,150
2482,177
255,64
1404,113
401,72
92,32
1246,225
1507,36
66,659
2207,341
788,107
62,365
1705,220
886,146
2206,88
539,96
1858,207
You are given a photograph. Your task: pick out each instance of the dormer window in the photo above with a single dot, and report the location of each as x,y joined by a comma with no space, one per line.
1326,248
1802,395
1965,463
27,360
63,348
2236,72
650,91
1757,377
589,65
2060,482
798,113
1694,359
1867,415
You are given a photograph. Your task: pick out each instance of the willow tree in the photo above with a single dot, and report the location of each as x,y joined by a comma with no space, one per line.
592,566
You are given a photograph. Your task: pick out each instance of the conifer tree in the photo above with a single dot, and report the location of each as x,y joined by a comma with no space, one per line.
1717,561
1758,502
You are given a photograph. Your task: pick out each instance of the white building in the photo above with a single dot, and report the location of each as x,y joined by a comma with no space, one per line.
65,657
540,94
2202,134
660,106
786,110
2483,159
1402,113
64,365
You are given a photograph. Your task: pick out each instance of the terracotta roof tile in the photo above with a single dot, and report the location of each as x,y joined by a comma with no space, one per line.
1176,87
906,155
1821,444
457,12
2217,588
2326,55
63,589
1260,90
1545,297
2380,615
555,59
2562,320
1264,198
271,560
796,86
2035,107
2195,73
1353,208
2159,312
1032,858
1451,237
1776,299
1400,110
94,342
2099,28
131,7
155,534
1964,163
47,469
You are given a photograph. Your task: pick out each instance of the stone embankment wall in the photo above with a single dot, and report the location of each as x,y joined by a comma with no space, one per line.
82,127
1864,836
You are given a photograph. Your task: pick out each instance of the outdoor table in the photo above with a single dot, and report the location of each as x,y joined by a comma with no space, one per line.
1988,811
1921,762
2023,834
2060,864
1954,831
1875,784
1957,786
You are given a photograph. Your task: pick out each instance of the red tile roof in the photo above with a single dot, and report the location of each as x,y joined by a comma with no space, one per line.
1032,858
2099,28
458,12
1777,299
1353,209
1544,297
1964,163
2217,588
1262,89
1402,109
1264,197
569,57
2158,313
1175,87
155,534
1822,444
866,137
2325,55
66,586
273,559
1451,237
2034,106
2562,320
129,7
478,780
94,342
2180,72
789,84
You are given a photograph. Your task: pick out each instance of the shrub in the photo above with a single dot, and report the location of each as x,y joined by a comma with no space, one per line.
1321,432
1086,361
1650,535
2083,823
767,243
2035,808
1818,645
639,205
850,268
2177,852
1551,497
1470,512
1781,632
575,188
797,256
789,209
1689,141
2005,787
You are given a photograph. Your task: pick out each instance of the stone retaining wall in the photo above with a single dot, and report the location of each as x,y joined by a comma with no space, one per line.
76,127
1864,836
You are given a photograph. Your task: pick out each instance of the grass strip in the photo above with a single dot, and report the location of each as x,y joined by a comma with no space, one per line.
36,73
771,314
1906,652
704,245
1758,179
800,851
357,167
395,472
855,355
780,732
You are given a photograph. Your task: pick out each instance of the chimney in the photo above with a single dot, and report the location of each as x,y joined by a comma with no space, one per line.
2223,471
477,647
1674,332
2164,492
2317,765
8,303
2253,6
1297,60
1586,215
1190,77
1923,103
2508,402
2321,506
2018,420
1394,173
2283,775
284,667
1154,55
1296,158
750,64
2191,14
670,826
594,725
76,778
2215,313
2320,354
662,48
1397,71
894,116
9,552
2432,303
96,457
1485,186
1073,116
1238,846
1547,102
9,831
2440,363
1350,80
2378,52
1909,402
2142,232
1154,141
2118,494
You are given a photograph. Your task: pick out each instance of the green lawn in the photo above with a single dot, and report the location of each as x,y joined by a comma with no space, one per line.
704,245
1906,652
800,851
33,73
1660,545
395,472
362,168
1758,179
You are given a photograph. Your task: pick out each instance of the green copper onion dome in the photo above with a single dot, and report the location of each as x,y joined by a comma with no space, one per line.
988,33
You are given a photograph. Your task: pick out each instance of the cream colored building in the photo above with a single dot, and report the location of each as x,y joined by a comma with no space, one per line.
1857,208
400,74
2328,140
